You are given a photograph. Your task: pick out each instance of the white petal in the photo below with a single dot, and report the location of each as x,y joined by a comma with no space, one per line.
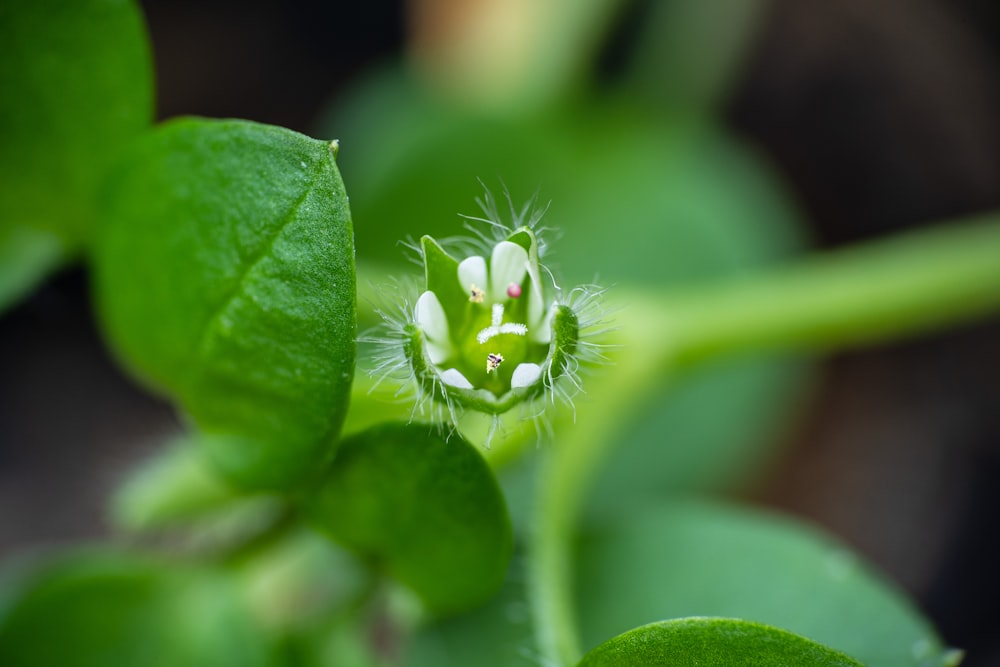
472,271
543,332
431,318
507,265
454,378
525,375
437,353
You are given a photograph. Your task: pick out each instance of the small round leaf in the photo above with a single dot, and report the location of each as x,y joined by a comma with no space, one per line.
721,642
426,508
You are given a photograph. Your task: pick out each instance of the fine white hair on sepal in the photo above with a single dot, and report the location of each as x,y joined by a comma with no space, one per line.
491,228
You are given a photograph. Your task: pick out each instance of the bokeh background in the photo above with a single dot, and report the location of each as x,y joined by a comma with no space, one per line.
873,118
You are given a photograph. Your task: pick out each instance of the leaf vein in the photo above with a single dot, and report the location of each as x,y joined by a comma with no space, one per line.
265,251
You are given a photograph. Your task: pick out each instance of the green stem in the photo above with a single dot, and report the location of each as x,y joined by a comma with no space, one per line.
885,289
567,469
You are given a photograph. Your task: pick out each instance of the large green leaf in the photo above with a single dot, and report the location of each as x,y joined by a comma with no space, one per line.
706,560
113,610
425,508
225,278
75,88
721,642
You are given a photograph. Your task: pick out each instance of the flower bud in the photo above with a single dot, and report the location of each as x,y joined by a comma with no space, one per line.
490,330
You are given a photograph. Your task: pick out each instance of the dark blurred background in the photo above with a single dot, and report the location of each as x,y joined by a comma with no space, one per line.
880,117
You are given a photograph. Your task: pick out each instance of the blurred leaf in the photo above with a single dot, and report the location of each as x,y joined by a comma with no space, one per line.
719,642
704,560
110,610
297,582
707,430
427,509
636,200
177,494
498,634
75,88
26,257
689,55
225,277
661,201
173,487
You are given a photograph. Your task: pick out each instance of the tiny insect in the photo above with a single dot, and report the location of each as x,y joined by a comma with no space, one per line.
493,361
513,290
476,294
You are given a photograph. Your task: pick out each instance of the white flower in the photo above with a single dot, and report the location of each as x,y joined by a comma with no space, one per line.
491,330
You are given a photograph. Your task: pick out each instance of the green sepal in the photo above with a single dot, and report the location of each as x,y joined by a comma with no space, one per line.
721,642
441,276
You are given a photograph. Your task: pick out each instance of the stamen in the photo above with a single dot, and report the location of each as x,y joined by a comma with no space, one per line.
493,361
476,294
514,290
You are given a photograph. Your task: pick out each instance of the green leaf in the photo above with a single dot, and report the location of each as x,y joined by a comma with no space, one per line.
706,560
75,88
498,634
112,610
721,642
225,278
177,495
425,508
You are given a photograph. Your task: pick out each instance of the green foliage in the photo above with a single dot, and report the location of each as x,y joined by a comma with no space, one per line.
75,89
225,278
425,508
692,559
94,609
721,642
224,273
498,634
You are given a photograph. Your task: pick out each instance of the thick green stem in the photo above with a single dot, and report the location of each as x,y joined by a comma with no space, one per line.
882,290
886,289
